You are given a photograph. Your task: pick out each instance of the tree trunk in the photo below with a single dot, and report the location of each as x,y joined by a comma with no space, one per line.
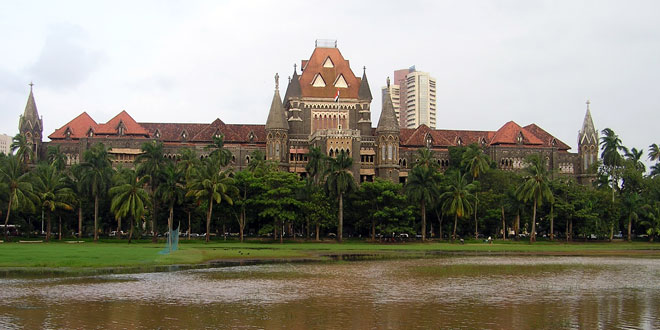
373,230
552,222
532,236
224,232
130,232
79,222
282,234
154,238
241,223
208,220
503,224
611,232
48,228
119,228
453,236
307,230
340,227
423,221
439,223
318,231
170,221
59,229
476,223
570,230
189,229
7,219
630,228
516,227
96,218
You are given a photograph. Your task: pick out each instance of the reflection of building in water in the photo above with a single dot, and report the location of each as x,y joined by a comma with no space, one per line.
326,106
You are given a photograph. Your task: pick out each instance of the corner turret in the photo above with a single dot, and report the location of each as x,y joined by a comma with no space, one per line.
277,129
387,137
31,125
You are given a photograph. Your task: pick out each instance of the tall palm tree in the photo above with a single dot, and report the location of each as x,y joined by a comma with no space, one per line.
635,156
129,199
97,172
188,161
535,187
150,163
56,157
15,181
475,162
23,149
633,202
171,190
222,154
211,184
75,182
316,163
425,158
339,180
422,188
258,163
458,199
52,191
652,219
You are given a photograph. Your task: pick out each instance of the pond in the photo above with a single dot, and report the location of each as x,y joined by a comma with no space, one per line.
489,292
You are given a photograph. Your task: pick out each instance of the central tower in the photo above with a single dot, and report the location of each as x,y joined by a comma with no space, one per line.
327,107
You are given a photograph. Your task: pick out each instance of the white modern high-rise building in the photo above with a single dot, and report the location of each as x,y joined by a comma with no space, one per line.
414,98
5,144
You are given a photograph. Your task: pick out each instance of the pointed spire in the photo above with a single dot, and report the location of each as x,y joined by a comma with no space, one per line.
293,89
30,115
276,116
387,121
364,92
588,129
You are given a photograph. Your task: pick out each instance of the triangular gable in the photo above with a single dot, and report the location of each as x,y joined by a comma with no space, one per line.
318,81
340,82
328,63
512,133
77,127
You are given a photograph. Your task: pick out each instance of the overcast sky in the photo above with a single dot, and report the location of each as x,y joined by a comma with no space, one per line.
194,61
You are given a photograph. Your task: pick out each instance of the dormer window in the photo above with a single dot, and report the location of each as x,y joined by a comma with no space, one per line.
251,137
519,138
67,133
340,82
429,141
554,142
318,81
184,135
90,133
483,142
216,134
459,142
157,134
328,63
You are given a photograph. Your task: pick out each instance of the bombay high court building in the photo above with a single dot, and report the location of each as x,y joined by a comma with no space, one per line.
326,106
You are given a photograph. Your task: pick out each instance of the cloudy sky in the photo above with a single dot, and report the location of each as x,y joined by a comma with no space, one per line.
194,61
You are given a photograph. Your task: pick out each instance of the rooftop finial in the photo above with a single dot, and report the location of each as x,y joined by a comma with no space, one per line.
388,82
31,84
588,102
277,81
364,70
294,67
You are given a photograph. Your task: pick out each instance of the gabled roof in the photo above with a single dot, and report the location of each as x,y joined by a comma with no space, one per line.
508,134
131,126
78,127
172,131
314,66
546,137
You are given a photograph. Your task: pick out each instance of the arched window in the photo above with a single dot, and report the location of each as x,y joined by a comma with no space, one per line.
277,149
383,152
389,151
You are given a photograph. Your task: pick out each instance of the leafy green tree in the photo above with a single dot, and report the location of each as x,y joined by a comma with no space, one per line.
23,149
316,164
16,182
458,199
535,187
151,163
211,184
259,165
171,190
475,162
635,157
651,214
249,186
56,157
339,180
130,199
316,207
278,201
75,182
425,159
422,188
385,207
220,153
188,161
52,191
97,176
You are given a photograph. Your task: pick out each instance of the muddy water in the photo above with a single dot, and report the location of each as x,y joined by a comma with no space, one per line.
548,292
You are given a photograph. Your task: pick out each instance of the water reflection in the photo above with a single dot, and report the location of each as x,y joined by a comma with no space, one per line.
548,292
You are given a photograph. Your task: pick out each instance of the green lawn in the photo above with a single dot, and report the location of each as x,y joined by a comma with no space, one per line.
121,254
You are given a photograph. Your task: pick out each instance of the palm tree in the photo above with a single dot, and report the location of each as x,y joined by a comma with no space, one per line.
475,162
458,199
23,149
187,161
97,171
635,156
50,187
75,182
632,202
17,183
339,180
129,199
422,187
220,153
258,163
652,219
535,186
654,152
425,158
316,162
171,190
56,157
210,184
150,163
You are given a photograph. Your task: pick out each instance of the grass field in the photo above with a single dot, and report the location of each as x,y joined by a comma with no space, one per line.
109,254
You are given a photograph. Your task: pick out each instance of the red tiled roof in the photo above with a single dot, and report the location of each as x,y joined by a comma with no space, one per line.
173,131
546,137
508,134
132,127
314,66
78,127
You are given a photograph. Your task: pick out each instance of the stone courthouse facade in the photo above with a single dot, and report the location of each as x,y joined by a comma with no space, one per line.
327,106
